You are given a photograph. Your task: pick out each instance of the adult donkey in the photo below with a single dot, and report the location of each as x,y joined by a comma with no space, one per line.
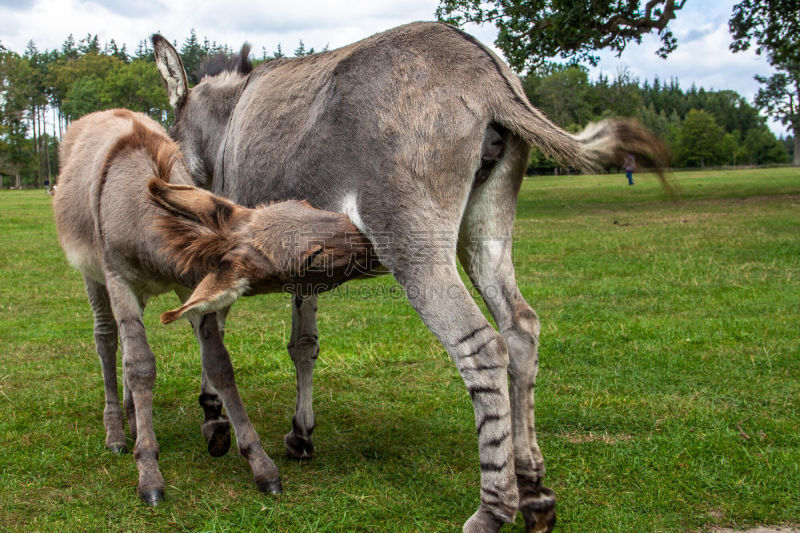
421,135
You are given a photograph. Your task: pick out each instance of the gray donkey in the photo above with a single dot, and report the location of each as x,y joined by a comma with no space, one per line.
133,238
422,136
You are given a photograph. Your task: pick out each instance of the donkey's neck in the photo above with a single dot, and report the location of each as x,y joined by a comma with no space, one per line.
213,107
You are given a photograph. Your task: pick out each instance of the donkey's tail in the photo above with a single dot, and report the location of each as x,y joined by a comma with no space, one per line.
603,143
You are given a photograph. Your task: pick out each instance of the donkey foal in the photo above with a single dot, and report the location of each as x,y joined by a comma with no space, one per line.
132,238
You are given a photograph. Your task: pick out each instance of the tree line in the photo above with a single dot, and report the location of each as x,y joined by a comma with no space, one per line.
701,127
41,92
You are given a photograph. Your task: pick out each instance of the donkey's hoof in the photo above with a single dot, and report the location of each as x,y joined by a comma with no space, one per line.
151,497
218,436
297,448
482,522
117,448
539,511
273,486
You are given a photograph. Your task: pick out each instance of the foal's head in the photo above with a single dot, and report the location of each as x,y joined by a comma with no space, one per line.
237,250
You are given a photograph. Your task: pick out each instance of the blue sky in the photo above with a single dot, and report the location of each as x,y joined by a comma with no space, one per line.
702,57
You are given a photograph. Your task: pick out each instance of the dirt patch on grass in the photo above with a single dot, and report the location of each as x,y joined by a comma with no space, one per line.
605,438
759,529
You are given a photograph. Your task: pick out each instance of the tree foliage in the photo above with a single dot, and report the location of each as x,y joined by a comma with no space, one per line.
700,139
772,25
533,31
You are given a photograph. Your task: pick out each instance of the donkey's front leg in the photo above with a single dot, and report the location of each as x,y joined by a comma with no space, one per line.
218,368
303,349
139,366
480,354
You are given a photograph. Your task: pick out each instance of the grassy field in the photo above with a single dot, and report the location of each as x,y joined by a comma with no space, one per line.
668,396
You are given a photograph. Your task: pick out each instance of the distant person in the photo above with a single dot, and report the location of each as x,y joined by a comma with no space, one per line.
47,186
629,165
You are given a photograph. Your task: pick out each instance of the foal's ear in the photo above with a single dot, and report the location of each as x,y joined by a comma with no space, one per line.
218,290
193,203
172,72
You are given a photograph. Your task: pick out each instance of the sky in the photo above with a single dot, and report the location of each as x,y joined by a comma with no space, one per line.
702,57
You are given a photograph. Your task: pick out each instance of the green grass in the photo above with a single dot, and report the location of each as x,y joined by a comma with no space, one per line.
668,396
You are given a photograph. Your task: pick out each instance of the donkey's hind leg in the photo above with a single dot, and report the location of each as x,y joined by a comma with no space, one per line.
105,340
303,349
484,249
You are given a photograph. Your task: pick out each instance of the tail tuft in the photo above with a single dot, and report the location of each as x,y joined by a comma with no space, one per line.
608,143
604,143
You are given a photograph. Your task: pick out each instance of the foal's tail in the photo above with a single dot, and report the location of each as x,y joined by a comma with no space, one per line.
603,143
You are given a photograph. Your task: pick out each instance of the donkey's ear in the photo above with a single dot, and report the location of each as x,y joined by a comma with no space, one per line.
171,68
194,203
218,290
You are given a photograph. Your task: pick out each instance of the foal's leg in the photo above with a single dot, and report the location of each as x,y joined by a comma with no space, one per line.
127,403
139,365
303,349
485,252
216,427
105,340
444,304
217,366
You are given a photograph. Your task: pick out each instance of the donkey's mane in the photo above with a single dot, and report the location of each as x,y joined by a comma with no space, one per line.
226,63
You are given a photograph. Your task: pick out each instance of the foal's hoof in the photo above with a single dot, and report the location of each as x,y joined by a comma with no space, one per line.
273,486
218,436
539,511
297,448
117,448
151,497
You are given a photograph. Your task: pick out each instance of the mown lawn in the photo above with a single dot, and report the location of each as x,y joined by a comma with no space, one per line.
668,396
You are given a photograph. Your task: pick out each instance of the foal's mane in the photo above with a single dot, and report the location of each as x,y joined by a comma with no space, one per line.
162,150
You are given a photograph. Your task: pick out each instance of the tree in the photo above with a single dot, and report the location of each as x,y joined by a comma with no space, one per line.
761,146
622,97
700,140
530,31
192,55
774,26
137,86
780,98
564,95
